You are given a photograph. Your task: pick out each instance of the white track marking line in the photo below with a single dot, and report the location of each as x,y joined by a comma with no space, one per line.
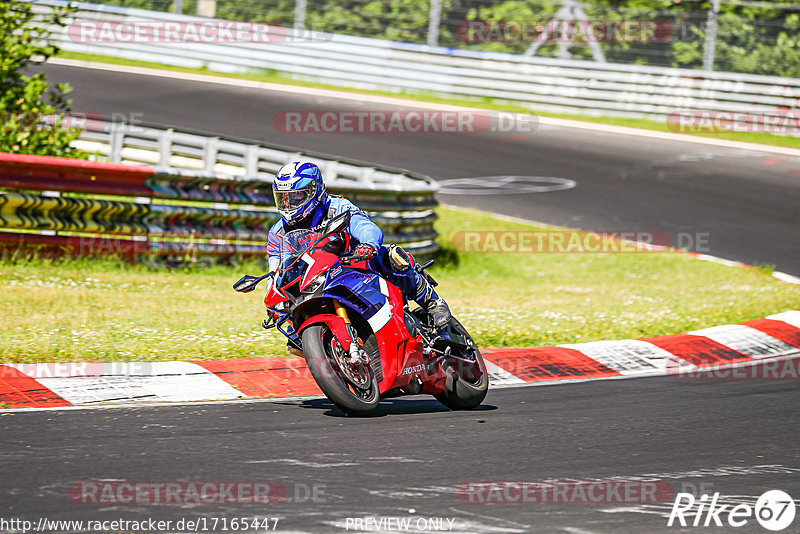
363,97
165,404
721,261
786,277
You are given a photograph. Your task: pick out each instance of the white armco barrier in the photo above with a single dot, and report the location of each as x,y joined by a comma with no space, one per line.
550,85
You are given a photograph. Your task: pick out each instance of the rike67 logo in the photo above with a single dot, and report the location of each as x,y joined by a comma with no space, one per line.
774,510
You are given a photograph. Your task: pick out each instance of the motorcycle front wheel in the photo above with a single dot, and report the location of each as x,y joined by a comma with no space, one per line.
353,389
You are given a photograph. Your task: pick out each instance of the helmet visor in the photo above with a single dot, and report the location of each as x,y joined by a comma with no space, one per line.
290,201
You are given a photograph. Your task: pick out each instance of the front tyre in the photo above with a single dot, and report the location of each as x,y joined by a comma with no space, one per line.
354,394
467,381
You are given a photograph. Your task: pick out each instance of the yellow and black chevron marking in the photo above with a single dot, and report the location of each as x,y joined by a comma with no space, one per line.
212,189
28,211
214,223
197,214
69,214
259,193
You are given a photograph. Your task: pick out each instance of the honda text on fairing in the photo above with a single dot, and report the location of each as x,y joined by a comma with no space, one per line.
361,340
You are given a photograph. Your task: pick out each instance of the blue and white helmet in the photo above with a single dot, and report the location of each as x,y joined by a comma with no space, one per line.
298,190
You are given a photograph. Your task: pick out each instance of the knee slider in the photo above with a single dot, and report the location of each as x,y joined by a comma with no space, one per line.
400,261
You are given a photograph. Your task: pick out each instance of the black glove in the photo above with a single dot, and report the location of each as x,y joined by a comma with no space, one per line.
363,252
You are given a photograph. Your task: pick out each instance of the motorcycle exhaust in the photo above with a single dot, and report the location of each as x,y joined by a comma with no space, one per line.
414,387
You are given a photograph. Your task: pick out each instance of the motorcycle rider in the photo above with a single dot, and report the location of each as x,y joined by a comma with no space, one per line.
304,203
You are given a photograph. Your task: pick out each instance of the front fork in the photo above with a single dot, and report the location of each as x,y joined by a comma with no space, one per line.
355,349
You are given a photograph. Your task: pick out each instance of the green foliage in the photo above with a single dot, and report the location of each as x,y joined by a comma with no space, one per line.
760,38
755,39
26,99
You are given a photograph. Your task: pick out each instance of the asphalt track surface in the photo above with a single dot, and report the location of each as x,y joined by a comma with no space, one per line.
733,437
737,438
737,204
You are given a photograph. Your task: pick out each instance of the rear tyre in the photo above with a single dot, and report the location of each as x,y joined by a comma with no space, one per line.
467,383
354,397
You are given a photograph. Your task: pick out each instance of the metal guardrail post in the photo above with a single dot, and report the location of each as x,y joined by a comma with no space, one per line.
251,160
210,153
366,174
331,170
711,36
116,140
300,15
165,147
434,21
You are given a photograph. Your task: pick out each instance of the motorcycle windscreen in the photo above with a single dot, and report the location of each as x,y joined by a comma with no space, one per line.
291,264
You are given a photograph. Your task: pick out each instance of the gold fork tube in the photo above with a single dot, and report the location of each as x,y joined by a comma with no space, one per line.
341,311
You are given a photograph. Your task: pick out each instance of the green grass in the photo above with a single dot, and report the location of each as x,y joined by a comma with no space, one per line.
479,103
83,310
531,299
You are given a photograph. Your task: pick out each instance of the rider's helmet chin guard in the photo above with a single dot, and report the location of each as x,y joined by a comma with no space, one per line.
298,189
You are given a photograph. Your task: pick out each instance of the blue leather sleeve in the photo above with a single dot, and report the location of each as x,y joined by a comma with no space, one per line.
274,246
366,231
361,227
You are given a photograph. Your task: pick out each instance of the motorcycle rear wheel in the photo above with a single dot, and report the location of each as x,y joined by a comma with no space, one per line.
467,384
318,348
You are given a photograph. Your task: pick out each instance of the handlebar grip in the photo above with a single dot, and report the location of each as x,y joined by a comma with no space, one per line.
347,259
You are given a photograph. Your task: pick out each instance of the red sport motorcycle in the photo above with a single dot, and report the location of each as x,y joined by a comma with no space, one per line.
361,340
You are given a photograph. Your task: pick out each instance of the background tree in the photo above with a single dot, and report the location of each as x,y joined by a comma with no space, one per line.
758,36
26,98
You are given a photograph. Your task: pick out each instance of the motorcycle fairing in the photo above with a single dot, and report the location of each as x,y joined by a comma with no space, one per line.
373,298
366,293
335,323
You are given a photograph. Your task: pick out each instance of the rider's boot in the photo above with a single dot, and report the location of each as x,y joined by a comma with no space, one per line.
292,348
437,308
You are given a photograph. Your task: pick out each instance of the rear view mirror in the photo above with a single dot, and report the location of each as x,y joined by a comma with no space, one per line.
248,283
338,223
